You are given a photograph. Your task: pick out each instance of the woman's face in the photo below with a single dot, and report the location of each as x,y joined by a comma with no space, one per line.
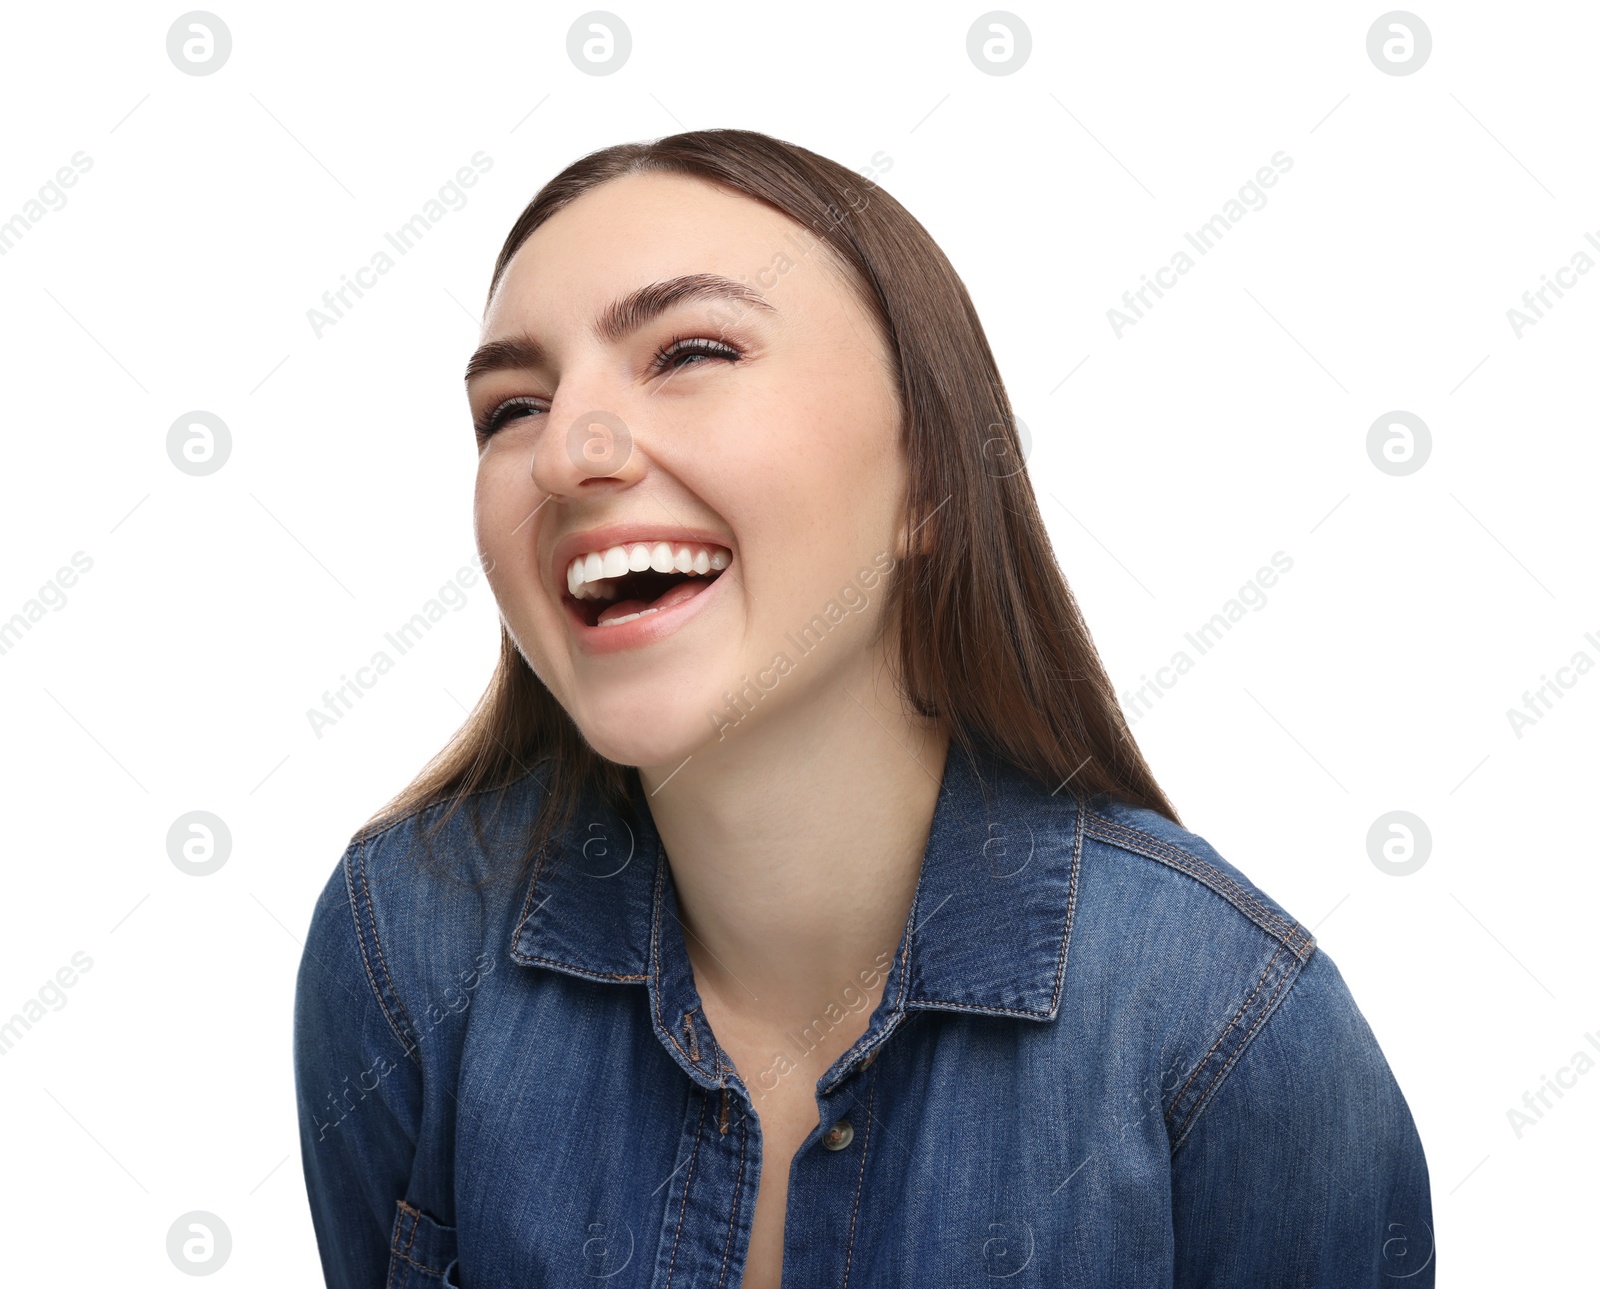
748,446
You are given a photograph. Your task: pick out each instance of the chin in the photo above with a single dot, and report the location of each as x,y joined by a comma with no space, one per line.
662,734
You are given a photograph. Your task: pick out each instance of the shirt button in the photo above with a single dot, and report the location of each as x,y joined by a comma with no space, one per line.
839,1136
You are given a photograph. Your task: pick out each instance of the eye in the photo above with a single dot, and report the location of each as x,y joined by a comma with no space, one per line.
686,352
500,416
675,355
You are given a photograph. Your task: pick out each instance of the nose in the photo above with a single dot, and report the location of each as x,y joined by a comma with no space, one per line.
592,447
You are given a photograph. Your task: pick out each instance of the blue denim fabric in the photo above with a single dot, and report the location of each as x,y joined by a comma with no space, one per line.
1103,1058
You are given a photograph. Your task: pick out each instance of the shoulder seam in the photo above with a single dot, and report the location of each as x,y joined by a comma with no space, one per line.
1289,935
1223,1061
1260,1002
355,876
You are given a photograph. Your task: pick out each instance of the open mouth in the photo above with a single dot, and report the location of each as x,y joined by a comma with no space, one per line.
623,583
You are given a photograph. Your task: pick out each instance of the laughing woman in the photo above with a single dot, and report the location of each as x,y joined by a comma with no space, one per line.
795,905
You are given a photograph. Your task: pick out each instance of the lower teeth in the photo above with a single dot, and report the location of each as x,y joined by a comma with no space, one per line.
627,617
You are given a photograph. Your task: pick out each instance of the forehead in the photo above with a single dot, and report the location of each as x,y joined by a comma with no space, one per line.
650,227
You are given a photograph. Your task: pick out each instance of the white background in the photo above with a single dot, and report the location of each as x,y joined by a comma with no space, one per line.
1171,462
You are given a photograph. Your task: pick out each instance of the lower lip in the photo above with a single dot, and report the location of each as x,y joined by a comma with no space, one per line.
642,630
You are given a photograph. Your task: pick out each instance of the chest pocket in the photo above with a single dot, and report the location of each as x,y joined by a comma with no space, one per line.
422,1252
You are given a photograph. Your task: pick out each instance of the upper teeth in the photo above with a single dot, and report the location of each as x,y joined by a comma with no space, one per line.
587,574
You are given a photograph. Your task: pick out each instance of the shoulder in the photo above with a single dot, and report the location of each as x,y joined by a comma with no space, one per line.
1190,959
415,905
435,856
1184,874
1219,1007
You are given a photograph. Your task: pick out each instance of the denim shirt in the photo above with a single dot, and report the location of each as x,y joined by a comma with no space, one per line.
1102,1058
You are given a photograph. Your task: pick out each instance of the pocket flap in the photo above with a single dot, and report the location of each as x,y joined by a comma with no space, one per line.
421,1250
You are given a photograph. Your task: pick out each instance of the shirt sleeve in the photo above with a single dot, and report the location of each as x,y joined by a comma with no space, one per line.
359,1095
1306,1168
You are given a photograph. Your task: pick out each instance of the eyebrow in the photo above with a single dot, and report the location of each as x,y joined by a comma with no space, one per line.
619,319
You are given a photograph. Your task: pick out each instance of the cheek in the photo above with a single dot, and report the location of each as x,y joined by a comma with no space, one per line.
501,498
841,471
812,444
829,506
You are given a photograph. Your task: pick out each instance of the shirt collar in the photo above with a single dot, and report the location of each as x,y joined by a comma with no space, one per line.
987,932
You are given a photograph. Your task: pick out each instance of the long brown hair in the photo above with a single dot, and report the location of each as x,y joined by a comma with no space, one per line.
991,641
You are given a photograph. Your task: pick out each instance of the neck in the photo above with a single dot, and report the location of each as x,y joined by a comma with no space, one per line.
795,846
